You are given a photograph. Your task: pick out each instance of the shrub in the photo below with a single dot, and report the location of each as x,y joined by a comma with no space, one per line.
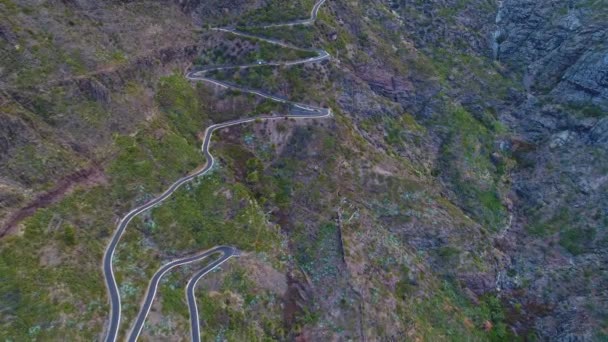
576,240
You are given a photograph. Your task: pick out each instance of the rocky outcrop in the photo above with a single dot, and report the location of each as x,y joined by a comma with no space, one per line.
586,82
559,49
559,46
555,52
599,133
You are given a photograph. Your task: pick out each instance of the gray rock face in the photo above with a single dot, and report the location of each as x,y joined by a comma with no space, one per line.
587,80
599,133
558,45
558,240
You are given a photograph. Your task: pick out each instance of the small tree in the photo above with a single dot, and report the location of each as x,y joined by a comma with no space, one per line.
69,235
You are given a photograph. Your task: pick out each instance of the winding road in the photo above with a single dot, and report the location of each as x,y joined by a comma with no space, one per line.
227,253
298,111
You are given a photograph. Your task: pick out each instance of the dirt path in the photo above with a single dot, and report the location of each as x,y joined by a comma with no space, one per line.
85,177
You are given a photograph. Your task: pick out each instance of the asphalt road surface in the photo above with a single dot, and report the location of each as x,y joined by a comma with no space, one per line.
195,331
227,253
299,111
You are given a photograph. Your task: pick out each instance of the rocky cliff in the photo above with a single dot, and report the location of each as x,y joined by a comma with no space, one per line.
558,238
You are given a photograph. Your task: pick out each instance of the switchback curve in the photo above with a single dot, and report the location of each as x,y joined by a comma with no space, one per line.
298,111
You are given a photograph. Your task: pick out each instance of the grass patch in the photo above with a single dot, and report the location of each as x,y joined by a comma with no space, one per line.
466,164
239,50
302,36
448,315
193,220
50,284
318,253
240,311
278,11
179,101
136,169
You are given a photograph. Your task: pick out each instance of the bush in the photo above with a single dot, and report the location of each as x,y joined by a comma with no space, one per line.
69,235
576,240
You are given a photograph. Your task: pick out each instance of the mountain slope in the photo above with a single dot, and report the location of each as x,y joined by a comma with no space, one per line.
458,194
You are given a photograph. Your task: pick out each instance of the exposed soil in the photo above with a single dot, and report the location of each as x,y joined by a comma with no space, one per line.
85,177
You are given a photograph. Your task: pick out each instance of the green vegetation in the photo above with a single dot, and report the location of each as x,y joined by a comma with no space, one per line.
302,36
240,310
448,314
405,287
457,7
449,255
261,77
161,151
292,82
51,283
473,73
400,200
193,219
52,271
202,214
240,50
399,133
50,275
587,110
69,235
140,156
545,227
277,187
37,164
35,56
172,294
179,101
466,163
318,253
267,106
576,240
277,11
